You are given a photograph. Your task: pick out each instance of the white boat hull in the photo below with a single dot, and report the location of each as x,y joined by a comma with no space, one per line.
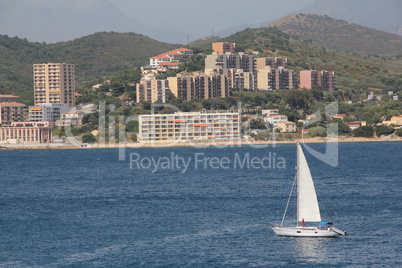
304,232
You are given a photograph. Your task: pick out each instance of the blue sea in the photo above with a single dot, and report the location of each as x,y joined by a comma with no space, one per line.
111,208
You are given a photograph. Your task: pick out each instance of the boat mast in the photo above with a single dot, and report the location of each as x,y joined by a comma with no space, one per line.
297,181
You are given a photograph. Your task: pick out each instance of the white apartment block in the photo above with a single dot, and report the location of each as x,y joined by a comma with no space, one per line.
192,126
47,112
54,83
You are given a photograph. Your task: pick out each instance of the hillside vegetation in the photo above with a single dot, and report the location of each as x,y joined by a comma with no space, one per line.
339,34
96,55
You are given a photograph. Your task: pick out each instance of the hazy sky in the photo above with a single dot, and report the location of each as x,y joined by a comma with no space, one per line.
63,20
202,16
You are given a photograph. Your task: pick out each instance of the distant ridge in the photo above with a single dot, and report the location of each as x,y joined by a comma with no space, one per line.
337,34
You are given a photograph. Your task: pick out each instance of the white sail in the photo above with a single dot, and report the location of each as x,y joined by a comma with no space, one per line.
307,204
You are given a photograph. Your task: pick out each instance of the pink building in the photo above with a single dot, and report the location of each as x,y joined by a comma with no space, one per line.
324,79
26,132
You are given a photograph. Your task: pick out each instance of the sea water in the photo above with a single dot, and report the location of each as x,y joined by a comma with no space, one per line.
88,207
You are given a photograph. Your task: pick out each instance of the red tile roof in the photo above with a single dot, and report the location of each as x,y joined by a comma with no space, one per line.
11,104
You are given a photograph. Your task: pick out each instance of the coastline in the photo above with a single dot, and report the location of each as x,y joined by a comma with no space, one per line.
188,144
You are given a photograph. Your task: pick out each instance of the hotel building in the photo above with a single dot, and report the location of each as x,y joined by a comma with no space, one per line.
54,83
192,126
26,132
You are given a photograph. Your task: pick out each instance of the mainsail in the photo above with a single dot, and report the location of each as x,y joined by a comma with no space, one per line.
307,204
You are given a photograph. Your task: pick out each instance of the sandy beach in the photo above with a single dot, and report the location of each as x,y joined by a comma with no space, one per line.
53,146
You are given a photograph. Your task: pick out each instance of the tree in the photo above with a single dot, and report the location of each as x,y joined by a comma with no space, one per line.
365,131
383,130
62,132
317,131
132,126
398,132
88,138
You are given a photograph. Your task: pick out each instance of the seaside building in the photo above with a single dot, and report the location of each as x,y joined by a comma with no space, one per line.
26,132
47,112
312,78
12,112
71,118
223,47
287,126
275,119
193,126
54,83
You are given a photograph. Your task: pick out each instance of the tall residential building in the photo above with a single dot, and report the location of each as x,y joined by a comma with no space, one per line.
193,126
153,90
223,47
201,86
276,79
216,62
54,83
273,62
312,78
12,112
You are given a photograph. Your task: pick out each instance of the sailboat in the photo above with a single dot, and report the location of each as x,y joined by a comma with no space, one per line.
308,210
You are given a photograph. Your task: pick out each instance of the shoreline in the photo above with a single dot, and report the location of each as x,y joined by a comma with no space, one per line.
191,144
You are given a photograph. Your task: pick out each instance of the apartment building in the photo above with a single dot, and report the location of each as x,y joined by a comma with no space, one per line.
26,132
54,83
223,47
313,78
216,62
48,112
244,80
9,98
193,126
153,90
276,79
273,62
12,112
201,86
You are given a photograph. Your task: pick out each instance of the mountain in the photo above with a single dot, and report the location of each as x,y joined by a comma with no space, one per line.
96,55
382,15
339,34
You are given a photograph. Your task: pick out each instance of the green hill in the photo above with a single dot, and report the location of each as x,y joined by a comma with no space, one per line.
339,34
99,54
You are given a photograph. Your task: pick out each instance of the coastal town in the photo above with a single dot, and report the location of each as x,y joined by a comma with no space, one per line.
225,70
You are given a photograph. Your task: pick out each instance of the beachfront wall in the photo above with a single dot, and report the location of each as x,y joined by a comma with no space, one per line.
195,126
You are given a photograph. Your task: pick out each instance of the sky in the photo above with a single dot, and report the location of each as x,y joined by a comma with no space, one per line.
62,20
201,17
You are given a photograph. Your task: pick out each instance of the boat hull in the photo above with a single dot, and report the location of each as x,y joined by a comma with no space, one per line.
304,232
